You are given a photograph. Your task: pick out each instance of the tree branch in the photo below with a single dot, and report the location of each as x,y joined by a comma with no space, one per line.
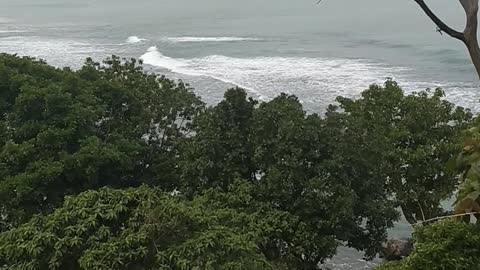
445,217
440,24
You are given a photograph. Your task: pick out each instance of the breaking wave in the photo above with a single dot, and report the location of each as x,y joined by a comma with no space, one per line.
316,81
312,79
135,39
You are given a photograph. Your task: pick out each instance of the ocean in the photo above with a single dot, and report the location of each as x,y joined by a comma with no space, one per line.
315,51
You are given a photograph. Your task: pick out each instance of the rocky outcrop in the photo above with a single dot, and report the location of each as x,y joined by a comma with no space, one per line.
396,249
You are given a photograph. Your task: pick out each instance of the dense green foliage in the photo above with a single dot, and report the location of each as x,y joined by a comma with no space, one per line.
65,132
108,167
468,163
363,159
143,228
450,244
406,141
287,155
442,246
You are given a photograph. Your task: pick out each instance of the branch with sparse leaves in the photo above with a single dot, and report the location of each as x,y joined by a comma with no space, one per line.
442,27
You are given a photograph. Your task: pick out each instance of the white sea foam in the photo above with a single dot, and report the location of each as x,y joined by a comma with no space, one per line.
191,67
58,52
312,79
2,31
316,81
208,39
135,39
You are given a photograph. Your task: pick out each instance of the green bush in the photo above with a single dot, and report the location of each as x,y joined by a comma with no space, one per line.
443,245
144,228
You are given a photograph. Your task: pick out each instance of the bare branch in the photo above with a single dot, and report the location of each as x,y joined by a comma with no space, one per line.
421,210
468,36
440,24
446,217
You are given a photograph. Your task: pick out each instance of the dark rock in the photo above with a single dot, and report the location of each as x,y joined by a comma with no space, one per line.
396,249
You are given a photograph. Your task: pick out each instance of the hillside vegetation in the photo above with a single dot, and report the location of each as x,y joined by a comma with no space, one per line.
108,167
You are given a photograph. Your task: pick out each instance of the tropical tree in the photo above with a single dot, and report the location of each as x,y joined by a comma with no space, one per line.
64,132
287,156
448,243
144,228
241,184
407,140
221,150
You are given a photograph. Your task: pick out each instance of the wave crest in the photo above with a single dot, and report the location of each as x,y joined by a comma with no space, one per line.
208,39
314,80
8,31
135,39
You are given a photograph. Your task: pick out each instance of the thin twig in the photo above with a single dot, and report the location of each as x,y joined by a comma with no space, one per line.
421,210
445,217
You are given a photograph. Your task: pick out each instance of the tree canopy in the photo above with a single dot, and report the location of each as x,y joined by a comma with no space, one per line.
109,167
287,155
66,131
406,140
144,228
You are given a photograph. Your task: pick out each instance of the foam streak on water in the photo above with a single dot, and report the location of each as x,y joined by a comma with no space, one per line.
268,76
59,53
315,80
208,39
11,31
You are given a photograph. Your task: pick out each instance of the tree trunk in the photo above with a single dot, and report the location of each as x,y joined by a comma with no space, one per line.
468,36
474,51
470,32
408,215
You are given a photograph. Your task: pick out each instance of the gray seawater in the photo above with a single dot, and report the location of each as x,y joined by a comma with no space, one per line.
316,52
